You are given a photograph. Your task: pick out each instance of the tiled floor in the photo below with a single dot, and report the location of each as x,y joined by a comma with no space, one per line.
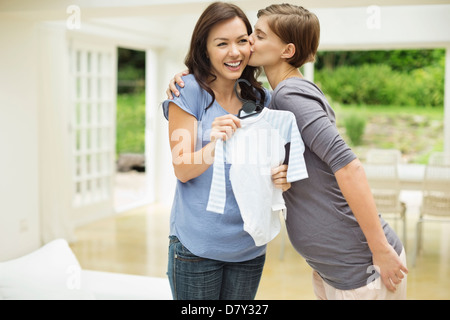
136,242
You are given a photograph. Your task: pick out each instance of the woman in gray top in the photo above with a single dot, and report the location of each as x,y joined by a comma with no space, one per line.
332,220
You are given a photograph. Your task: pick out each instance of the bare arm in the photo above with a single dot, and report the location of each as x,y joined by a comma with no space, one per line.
353,183
187,162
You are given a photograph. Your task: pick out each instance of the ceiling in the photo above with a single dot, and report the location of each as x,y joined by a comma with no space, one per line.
169,23
54,9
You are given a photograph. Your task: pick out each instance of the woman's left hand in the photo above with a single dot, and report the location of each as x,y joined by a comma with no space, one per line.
279,175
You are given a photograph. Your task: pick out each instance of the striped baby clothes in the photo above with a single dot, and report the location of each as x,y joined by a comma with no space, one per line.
254,149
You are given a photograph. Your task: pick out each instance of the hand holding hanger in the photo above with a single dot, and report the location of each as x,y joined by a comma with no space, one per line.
224,127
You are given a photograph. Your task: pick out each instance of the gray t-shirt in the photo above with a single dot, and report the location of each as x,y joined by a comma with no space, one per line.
320,223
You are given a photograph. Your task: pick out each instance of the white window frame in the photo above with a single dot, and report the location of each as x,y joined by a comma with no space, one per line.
93,72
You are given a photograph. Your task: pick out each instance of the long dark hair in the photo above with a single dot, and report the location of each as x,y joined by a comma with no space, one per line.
198,62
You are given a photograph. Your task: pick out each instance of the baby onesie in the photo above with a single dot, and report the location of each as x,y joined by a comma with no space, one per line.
254,149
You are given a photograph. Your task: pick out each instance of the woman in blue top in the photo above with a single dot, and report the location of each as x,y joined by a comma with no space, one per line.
210,255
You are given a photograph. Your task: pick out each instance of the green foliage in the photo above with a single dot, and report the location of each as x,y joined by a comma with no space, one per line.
136,59
381,85
131,71
396,77
426,86
130,123
354,128
130,137
398,60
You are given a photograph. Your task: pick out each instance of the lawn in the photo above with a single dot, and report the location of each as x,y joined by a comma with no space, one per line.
130,123
415,131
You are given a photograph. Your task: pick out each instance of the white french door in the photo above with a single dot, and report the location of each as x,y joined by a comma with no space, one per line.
93,69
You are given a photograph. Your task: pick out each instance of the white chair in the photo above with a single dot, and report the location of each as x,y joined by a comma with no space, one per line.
436,195
382,173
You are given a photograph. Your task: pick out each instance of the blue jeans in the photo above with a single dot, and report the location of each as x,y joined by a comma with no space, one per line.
195,278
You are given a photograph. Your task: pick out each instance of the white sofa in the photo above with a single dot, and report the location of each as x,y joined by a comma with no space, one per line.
53,272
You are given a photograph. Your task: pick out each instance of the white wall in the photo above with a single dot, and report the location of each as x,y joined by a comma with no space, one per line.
389,27
19,143
55,172
447,102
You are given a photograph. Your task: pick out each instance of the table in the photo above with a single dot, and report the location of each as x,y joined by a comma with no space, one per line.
411,176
